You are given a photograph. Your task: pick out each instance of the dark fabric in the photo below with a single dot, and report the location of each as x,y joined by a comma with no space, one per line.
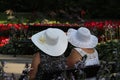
91,71
68,50
51,68
83,73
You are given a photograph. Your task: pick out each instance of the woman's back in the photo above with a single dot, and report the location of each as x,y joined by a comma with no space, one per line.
91,63
51,68
92,56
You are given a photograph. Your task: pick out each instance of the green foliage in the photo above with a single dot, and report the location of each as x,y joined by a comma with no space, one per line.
94,9
109,51
22,17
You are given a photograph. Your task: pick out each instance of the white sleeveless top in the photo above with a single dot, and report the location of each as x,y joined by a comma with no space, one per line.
92,59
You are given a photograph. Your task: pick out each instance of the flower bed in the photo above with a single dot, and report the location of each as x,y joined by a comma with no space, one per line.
104,30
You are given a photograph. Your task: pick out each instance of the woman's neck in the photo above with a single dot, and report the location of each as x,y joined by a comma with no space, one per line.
88,50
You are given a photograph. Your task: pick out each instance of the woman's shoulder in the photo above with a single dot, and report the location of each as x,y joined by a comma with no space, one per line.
88,50
74,52
36,54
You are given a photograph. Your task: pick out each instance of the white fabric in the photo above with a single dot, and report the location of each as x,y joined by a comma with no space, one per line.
92,59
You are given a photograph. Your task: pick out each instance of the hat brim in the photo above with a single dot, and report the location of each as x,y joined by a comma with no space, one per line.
72,38
54,50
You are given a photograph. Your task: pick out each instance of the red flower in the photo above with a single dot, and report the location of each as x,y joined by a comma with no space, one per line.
16,26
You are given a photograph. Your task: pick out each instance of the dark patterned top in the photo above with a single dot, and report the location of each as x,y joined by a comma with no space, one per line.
51,68
55,68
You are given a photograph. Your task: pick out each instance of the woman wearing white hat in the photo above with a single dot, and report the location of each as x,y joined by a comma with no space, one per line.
48,64
84,43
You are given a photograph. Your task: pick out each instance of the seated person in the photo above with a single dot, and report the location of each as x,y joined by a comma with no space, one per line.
84,44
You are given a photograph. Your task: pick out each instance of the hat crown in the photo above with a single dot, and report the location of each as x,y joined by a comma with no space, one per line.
83,34
51,37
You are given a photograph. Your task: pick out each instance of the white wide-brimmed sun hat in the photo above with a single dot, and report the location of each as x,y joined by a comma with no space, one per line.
52,41
82,38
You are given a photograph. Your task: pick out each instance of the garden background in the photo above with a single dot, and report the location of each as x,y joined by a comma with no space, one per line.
19,19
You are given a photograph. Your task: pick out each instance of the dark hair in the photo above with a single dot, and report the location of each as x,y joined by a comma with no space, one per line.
68,50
